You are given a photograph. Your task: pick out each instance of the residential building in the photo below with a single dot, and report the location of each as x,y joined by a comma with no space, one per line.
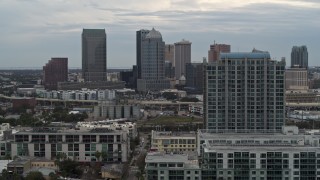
216,49
80,144
150,61
244,91
182,55
19,165
196,109
290,154
173,142
296,79
43,163
299,57
116,124
56,70
302,96
94,54
194,77
161,166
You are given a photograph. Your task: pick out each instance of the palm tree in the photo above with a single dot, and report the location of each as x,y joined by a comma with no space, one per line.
98,154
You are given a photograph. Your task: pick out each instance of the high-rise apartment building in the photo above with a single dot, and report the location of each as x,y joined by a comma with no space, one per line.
150,61
299,57
94,54
216,49
182,55
56,70
244,91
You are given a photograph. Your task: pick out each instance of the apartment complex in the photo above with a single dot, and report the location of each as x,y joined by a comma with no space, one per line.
94,54
160,166
289,154
56,70
244,91
173,142
80,144
299,57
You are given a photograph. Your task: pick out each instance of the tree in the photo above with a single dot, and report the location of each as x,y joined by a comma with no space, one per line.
53,176
104,156
98,155
35,175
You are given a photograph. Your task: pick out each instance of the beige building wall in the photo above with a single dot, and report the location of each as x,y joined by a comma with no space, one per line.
296,79
169,53
182,55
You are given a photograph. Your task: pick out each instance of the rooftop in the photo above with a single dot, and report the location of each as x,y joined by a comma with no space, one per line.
153,34
243,55
170,134
189,160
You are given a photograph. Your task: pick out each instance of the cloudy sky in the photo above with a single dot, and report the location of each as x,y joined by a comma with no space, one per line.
33,31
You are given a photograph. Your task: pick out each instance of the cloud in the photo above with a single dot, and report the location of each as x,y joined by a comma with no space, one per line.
36,22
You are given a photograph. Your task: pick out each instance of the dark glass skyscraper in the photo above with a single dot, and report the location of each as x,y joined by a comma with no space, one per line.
94,54
299,57
150,61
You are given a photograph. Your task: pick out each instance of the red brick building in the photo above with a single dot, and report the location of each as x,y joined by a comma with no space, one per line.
56,70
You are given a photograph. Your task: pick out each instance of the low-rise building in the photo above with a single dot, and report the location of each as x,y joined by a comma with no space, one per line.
175,142
80,144
227,154
161,166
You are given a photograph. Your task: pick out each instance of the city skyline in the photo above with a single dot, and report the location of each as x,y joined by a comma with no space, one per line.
33,31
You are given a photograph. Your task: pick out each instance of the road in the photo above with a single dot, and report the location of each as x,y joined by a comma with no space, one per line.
139,151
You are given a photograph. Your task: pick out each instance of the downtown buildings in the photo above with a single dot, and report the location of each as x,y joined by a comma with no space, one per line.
150,61
299,57
94,55
56,70
182,55
216,49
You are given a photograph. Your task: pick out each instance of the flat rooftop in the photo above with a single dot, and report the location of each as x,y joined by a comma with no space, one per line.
233,148
189,160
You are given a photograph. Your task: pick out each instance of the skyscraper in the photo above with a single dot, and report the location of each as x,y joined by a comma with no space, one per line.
194,77
94,54
56,70
299,57
216,49
169,53
140,35
182,55
244,91
150,61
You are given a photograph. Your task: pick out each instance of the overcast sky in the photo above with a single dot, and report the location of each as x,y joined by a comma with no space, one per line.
33,31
